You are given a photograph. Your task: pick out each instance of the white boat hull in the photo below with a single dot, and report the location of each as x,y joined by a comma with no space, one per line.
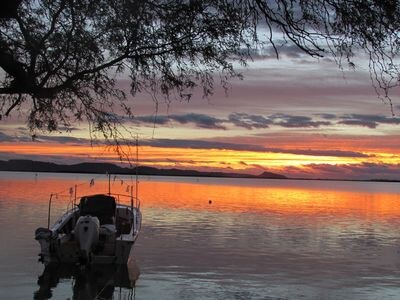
59,244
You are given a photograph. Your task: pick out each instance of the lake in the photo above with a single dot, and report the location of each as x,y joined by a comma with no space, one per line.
215,238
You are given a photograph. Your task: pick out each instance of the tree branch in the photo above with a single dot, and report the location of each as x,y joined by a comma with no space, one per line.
13,105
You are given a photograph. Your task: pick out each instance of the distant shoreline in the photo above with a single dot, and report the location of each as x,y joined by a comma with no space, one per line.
210,176
108,168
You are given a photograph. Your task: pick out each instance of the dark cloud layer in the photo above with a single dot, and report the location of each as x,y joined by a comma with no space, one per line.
197,144
6,138
370,121
242,120
43,138
251,121
290,121
282,48
198,120
16,138
364,171
194,144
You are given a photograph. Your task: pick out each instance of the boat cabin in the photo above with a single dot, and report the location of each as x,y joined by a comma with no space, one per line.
101,206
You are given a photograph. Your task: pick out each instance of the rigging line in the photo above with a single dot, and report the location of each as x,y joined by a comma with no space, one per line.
76,185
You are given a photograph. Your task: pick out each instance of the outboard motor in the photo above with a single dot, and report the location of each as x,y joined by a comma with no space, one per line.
43,236
87,236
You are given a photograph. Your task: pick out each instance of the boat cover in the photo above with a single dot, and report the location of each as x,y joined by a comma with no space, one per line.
101,206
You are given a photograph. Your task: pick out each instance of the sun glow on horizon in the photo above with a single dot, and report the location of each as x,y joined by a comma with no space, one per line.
189,158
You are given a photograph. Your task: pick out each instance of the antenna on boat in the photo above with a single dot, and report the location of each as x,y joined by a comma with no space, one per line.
75,195
49,212
131,198
109,183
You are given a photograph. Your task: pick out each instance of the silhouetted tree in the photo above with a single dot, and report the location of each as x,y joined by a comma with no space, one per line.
62,58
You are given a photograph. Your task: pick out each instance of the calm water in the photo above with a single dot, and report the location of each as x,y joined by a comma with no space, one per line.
258,239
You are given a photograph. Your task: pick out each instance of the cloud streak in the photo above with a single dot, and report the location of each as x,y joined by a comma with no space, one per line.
249,121
363,171
252,121
370,121
290,121
43,139
16,138
198,144
198,120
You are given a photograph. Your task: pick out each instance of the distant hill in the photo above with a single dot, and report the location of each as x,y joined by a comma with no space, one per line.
102,168
271,175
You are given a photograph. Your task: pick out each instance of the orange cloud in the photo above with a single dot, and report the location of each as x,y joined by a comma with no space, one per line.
211,159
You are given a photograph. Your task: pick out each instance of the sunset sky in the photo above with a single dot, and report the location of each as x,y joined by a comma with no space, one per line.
297,116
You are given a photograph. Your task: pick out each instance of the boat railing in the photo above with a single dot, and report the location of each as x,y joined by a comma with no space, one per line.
72,202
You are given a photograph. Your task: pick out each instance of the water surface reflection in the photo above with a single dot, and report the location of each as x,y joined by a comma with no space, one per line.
257,239
94,282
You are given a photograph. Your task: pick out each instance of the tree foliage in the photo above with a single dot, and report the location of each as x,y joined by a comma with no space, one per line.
61,59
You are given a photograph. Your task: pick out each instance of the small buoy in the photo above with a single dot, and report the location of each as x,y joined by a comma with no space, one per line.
209,201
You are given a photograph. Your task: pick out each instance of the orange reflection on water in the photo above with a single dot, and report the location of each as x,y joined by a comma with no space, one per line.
280,200
222,195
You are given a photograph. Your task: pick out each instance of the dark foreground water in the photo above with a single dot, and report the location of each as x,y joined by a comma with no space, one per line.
257,239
